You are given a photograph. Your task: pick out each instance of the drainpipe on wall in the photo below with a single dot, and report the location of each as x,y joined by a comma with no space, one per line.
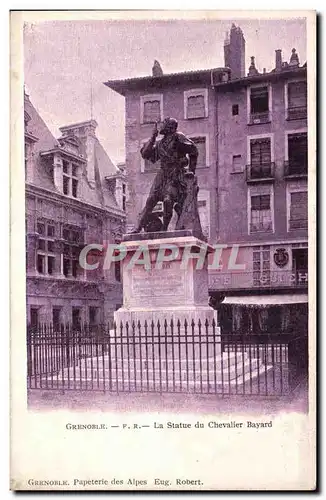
216,164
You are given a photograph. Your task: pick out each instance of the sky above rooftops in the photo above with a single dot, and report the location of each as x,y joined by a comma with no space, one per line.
66,63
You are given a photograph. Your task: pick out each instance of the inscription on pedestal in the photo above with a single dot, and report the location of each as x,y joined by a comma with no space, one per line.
165,282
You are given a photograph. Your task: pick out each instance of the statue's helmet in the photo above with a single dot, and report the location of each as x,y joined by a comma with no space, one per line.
169,125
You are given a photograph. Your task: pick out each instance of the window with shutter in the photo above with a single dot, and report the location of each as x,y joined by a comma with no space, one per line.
203,210
201,146
152,111
297,153
260,158
260,151
297,100
261,215
259,105
299,210
196,107
237,163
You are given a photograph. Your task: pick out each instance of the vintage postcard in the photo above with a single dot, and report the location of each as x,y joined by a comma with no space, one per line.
163,250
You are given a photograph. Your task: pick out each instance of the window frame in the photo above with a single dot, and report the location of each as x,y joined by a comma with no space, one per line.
193,93
258,137
206,137
270,102
235,106
146,98
70,177
286,98
295,188
242,169
303,130
72,246
45,253
260,191
205,195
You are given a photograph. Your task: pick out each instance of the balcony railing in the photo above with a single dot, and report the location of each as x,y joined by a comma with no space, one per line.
264,280
298,224
297,113
295,169
257,118
261,173
261,227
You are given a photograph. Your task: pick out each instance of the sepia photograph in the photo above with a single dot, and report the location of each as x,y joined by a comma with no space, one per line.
163,165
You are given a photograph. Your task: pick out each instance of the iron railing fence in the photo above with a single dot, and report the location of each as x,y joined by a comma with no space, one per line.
296,112
169,356
295,168
262,171
259,117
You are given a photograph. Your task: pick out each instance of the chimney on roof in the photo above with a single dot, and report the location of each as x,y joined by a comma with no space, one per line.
252,68
157,69
234,52
278,59
294,60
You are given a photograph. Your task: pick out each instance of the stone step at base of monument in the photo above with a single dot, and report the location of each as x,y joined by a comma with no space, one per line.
227,359
238,371
219,372
257,375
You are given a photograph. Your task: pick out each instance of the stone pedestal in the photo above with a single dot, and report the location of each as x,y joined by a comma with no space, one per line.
187,355
165,277
166,337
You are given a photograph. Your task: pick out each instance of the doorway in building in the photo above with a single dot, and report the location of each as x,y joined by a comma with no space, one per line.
56,318
300,265
76,318
34,321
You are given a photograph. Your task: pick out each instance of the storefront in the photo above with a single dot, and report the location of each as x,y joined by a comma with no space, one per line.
257,314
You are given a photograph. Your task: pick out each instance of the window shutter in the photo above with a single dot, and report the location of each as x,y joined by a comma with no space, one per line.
259,100
201,146
259,92
298,148
260,152
152,111
237,165
297,94
196,107
299,206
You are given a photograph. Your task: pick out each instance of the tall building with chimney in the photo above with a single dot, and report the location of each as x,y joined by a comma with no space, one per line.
73,198
251,132
235,52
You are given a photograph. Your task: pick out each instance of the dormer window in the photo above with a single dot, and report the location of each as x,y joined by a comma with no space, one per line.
70,179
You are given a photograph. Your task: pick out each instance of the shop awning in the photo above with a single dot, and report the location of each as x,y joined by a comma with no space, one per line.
263,300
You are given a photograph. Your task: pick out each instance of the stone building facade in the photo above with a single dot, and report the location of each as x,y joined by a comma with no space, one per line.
71,201
263,195
251,132
190,98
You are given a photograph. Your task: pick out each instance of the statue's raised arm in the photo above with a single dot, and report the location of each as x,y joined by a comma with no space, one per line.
149,150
